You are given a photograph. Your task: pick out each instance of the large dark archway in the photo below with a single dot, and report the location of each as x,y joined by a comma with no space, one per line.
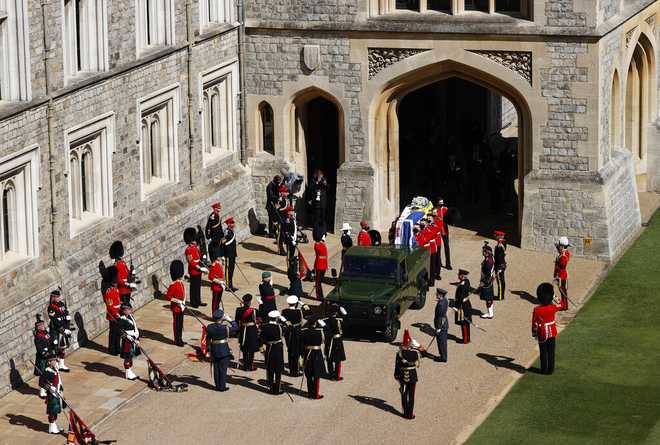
321,123
459,140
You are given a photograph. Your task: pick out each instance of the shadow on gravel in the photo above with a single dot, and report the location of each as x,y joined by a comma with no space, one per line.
111,371
524,295
376,403
27,422
501,361
193,380
254,247
263,267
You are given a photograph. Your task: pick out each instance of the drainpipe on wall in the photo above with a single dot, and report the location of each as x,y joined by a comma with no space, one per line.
240,11
51,143
189,40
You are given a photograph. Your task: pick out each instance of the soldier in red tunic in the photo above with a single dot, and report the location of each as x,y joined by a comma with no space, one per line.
544,327
363,238
561,264
441,219
195,267
320,262
176,295
112,301
216,277
124,285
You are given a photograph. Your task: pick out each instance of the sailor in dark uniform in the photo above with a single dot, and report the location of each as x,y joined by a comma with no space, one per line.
334,343
248,336
294,316
313,339
462,305
217,337
272,337
267,301
441,323
405,371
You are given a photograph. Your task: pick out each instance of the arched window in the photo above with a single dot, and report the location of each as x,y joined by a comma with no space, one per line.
87,180
9,218
636,92
146,151
267,128
219,89
155,147
215,118
615,113
74,172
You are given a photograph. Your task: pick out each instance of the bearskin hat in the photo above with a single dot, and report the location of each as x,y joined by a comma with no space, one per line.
247,298
116,250
189,235
176,270
318,233
545,293
110,274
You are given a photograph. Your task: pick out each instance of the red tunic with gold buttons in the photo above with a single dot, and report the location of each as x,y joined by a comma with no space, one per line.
321,260
122,277
544,326
176,294
193,256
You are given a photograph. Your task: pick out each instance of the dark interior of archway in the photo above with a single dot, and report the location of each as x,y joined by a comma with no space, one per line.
459,140
322,142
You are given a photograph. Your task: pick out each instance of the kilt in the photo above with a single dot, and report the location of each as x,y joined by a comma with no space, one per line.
40,366
487,293
128,349
53,405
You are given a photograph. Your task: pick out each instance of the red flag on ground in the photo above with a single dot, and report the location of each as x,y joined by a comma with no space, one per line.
303,267
202,342
79,433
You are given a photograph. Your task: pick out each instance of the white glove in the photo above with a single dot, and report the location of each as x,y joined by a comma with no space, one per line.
67,332
438,331
68,317
228,318
282,319
132,285
183,306
203,270
54,342
342,310
224,286
260,301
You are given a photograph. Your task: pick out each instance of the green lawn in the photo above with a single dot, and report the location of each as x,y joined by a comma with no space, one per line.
606,385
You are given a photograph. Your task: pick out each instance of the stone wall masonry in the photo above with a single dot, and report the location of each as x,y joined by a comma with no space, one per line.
263,168
623,213
561,135
610,55
562,13
355,183
272,60
309,11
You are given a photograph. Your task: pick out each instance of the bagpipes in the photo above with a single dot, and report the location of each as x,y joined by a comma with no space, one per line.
79,431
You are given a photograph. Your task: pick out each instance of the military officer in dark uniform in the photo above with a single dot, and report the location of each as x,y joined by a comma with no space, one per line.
500,264
217,338
272,337
313,339
486,290
42,345
334,342
346,240
272,196
60,327
441,323
462,305
248,336
294,316
317,199
214,231
229,251
267,301
405,371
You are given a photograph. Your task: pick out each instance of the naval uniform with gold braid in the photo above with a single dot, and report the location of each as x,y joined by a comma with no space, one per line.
272,336
294,317
405,371
463,315
313,340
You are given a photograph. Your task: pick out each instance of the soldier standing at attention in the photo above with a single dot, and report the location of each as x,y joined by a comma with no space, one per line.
214,232
272,195
486,291
364,239
334,343
130,339
176,295
463,315
282,213
216,277
248,337
267,301
313,339
441,220
42,344
112,303
60,321
500,264
561,264
294,317
124,286
195,268
441,323
320,262
217,337
405,371
272,337
318,200
346,240
544,327
230,253
52,382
